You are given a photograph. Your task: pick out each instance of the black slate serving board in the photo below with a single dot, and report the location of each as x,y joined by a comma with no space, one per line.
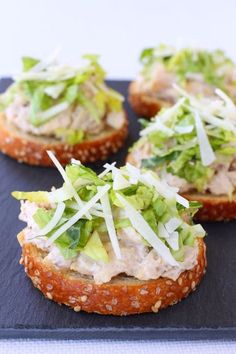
208,313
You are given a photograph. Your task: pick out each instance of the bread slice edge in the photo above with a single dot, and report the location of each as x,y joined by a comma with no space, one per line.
121,296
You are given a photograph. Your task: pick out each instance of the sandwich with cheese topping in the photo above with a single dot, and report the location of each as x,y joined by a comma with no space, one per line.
192,145
121,242
197,71
69,110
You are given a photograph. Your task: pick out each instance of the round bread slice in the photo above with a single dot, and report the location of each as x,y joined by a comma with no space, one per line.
32,149
121,296
143,103
214,207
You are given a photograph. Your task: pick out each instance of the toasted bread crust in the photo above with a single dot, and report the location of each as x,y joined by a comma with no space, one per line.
144,104
32,150
214,207
121,296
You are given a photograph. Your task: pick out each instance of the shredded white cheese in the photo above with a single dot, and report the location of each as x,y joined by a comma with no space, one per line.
53,111
143,228
67,180
110,224
54,220
173,224
108,168
79,214
54,91
173,240
206,151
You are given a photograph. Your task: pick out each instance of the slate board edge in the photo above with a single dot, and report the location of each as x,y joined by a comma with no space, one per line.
134,334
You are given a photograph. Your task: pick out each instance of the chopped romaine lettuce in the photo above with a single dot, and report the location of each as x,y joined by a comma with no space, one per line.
37,197
28,63
42,217
95,249
210,65
191,154
50,89
159,221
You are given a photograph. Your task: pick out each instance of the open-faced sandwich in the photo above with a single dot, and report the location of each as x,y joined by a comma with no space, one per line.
68,110
197,71
192,145
119,243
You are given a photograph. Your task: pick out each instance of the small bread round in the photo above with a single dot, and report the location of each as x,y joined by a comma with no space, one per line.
214,207
32,149
143,103
121,296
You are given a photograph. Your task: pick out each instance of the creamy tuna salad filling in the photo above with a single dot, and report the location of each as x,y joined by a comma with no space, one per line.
137,259
69,104
197,71
192,145
124,221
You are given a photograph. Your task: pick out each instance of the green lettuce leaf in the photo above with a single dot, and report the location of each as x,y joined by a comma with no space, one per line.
141,199
210,64
75,90
155,161
95,249
160,208
122,223
37,197
79,233
43,216
83,175
40,102
71,241
150,217
70,136
28,63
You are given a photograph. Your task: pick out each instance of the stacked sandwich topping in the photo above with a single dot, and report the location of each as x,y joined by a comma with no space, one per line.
192,145
67,103
197,71
125,220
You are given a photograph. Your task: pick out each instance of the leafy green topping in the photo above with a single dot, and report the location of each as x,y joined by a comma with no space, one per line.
79,237
211,65
95,249
37,197
28,63
178,149
89,234
52,89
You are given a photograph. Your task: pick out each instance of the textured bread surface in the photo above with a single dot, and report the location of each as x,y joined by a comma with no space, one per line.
121,296
32,149
214,207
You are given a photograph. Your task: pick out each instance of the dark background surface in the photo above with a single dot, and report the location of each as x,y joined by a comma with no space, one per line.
208,313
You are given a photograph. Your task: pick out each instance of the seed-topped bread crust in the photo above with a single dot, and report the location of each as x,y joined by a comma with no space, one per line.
32,149
121,296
